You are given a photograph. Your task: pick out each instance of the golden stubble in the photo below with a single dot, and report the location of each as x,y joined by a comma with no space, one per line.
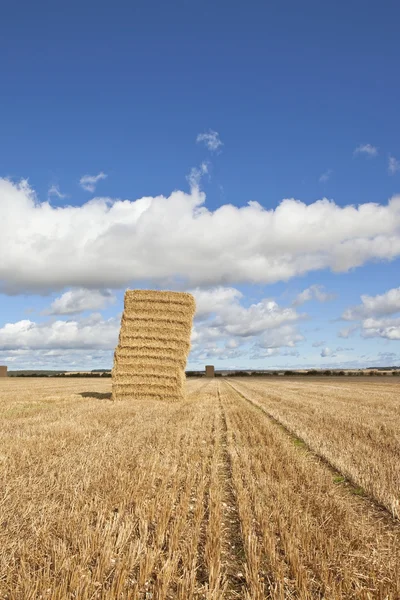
207,498
354,425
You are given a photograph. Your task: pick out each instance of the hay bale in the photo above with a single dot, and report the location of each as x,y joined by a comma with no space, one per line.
3,371
154,343
210,371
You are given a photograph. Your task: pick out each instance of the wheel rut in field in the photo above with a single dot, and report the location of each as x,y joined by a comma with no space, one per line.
348,484
202,571
233,553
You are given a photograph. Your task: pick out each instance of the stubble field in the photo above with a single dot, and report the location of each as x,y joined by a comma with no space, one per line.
249,489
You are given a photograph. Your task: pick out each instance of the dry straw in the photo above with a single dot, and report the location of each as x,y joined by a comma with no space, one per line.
154,343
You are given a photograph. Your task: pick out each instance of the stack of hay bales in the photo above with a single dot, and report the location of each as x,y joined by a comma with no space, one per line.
154,343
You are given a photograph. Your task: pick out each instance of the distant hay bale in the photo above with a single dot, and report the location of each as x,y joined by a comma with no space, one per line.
154,343
210,371
3,371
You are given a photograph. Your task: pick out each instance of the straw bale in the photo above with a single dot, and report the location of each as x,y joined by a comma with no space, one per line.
210,371
3,371
154,343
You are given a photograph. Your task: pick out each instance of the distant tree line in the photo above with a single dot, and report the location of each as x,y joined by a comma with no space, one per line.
309,373
65,375
286,373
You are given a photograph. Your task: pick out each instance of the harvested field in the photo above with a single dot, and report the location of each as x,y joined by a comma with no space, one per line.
207,498
354,425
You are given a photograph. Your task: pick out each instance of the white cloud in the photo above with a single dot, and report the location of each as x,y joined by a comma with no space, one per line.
286,335
108,243
295,353
89,182
216,333
367,149
314,292
375,314
214,300
54,190
318,344
259,354
213,352
327,352
80,300
229,326
196,174
394,165
63,359
91,333
347,331
380,305
244,322
232,343
384,328
325,176
211,139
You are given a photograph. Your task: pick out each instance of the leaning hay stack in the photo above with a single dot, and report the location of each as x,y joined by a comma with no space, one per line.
154,343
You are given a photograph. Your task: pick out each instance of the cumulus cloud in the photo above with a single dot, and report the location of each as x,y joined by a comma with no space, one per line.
318,344
314,292
325,176
244,322
224,320
54,190
327,352
61,358
375,314
211,139
384,328
382,304
260,353
108,243
283,336
89,182
91,333
366,149
213,351
232,343
80,300
394,165
216,332
214,300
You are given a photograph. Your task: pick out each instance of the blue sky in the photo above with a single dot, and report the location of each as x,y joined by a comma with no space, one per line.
201,108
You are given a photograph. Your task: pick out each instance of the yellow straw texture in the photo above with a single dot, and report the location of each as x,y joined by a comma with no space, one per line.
154,343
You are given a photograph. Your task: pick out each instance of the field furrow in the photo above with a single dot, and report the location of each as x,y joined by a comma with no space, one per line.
232,549
356,428
305,537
